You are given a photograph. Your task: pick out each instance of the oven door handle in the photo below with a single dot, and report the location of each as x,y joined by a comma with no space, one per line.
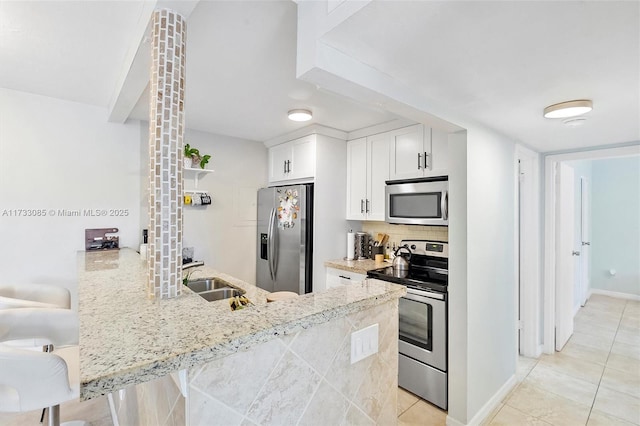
421,295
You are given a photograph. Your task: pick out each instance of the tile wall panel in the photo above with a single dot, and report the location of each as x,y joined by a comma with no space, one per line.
286,381
166,130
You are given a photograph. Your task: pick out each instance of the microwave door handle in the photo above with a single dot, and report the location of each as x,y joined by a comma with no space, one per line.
444,205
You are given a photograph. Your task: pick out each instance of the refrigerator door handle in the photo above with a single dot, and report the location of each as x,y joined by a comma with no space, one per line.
273,245
270,243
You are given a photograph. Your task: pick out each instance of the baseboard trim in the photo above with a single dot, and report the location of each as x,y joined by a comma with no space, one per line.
487,408
616,294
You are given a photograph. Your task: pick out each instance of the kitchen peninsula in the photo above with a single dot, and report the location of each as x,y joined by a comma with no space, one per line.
276,363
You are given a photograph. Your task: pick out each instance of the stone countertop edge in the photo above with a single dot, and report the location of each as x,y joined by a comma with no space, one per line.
127,339
357,266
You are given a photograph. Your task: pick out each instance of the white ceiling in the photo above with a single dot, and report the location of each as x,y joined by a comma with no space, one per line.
499,63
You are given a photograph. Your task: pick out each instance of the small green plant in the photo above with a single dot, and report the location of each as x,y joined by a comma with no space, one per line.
194,154
185,278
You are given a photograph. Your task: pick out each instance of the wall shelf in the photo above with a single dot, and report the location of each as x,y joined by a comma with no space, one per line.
196,174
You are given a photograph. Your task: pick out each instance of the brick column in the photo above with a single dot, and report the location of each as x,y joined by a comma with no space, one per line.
166,129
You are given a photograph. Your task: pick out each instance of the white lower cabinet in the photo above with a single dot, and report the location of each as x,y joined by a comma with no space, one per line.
338,277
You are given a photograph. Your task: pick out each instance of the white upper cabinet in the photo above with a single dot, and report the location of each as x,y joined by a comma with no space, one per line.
356,178
438,162
377,175
407,152
367,171
293,160
417,152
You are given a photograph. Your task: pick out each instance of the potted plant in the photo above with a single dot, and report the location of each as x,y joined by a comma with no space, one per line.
192,157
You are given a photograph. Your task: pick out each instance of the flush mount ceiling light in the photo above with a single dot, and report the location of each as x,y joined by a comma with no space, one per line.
300,115
568,109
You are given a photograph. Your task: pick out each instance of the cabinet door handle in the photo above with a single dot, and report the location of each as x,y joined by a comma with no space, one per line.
367,206
284,167
288,166
419,161
342,276
426,164
361,206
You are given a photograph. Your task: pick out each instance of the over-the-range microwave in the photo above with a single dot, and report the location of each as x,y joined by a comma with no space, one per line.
418,201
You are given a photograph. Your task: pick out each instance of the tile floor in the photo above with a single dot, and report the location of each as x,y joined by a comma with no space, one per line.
595,380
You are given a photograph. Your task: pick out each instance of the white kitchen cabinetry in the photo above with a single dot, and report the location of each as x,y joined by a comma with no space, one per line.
293,160
338,277
417,152
367,171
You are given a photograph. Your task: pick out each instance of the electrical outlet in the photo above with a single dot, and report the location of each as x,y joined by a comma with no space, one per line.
364,343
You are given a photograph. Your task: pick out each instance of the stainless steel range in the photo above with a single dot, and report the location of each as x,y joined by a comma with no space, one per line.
422,367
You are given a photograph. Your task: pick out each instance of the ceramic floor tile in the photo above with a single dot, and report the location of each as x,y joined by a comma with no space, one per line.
524,367
487,420
622,381
596,330
598,418
591,341
618,404
584,370
548,406
405,400
423,414
509,416
624,349
628,337
549,379
585,353
623,363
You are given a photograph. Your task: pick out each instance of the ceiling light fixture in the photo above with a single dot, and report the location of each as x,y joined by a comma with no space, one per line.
300,115
568,109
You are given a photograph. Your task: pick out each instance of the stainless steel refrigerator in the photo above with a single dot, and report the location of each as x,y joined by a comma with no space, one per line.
285,238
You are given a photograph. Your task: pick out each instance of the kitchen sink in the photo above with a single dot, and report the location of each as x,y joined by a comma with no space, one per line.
220,294
207,284
212,289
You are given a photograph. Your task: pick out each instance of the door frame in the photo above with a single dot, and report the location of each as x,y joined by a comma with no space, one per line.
527,245
550,198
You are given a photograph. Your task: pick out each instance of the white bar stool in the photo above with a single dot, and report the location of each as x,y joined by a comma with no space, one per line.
31,380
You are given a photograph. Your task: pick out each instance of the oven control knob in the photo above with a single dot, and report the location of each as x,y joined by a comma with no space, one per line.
413,246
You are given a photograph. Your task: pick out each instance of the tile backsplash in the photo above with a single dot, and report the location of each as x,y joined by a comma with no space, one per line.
404,232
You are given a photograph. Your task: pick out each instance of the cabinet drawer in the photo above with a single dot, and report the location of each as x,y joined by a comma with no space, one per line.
338,277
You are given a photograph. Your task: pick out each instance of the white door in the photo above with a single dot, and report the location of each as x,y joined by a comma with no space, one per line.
378,174
565,262
356,178
585,240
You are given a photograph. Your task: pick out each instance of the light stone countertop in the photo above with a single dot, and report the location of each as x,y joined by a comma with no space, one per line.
126,338
357,266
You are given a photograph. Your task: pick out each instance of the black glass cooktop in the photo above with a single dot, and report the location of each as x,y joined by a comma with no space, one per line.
432,278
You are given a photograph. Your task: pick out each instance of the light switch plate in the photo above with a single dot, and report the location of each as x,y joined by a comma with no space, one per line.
364,343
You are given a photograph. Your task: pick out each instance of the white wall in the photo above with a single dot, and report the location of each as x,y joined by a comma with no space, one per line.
615,225
223,234
491,284
330,197
482,285
56,154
